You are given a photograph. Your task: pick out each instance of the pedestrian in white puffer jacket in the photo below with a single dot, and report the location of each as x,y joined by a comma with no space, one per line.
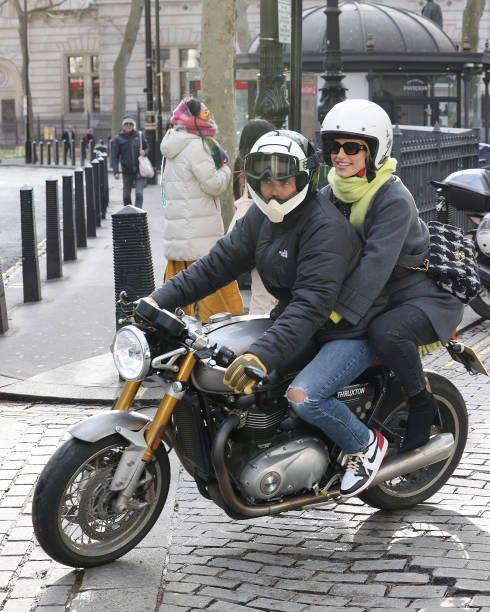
195,173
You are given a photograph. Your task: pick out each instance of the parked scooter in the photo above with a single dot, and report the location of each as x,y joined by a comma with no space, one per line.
469,191
103,489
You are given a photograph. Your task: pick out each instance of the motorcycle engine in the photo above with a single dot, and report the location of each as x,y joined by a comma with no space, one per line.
285,469
268,462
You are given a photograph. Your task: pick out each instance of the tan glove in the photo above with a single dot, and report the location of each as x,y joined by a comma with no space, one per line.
235,376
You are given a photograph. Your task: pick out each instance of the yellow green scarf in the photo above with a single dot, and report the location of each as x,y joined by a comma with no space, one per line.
359,193
356,190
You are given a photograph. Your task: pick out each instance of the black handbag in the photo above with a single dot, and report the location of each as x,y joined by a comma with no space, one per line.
451,262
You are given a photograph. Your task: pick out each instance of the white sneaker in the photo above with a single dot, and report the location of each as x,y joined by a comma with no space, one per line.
361,468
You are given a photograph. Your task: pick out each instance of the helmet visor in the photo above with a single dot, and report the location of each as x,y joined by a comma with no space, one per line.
277,166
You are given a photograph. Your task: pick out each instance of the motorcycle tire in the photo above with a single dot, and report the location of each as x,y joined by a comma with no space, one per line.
71,510
414,488
481,304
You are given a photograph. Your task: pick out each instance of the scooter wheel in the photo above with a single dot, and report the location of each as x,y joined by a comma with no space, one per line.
74,518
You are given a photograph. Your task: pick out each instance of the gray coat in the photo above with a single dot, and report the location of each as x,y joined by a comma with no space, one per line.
395,239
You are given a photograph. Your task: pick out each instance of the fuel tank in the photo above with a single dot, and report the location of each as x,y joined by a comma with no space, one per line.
237,334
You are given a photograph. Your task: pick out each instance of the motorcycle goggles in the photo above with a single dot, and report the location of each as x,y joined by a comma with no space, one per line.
332,147
277,166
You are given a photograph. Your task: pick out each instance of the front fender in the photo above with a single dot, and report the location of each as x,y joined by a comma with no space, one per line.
101,426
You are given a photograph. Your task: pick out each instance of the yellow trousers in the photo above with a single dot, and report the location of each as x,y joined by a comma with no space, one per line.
226,299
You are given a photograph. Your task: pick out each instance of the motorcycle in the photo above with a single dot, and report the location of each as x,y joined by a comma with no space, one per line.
103,489
469,191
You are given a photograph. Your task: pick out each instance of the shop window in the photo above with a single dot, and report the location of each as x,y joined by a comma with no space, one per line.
83,83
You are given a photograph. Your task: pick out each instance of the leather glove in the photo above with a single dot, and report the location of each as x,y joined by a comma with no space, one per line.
235,376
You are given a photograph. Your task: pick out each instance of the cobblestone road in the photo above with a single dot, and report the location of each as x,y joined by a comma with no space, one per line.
336,557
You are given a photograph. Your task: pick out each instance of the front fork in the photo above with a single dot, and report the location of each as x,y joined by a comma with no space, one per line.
143,443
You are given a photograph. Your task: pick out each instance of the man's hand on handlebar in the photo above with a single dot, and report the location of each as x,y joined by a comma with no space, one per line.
240,375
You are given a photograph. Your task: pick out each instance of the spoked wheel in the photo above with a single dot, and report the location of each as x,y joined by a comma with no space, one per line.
73,514
414,488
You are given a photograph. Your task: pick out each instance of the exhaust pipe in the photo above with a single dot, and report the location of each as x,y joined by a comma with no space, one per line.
439,448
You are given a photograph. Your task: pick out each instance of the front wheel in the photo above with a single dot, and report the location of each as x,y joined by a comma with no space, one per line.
72,512
414,488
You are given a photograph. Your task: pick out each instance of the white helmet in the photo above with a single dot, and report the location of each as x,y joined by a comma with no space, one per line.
282,154
483,235
364,120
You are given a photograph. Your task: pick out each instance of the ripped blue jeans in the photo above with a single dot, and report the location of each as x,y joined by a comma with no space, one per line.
336,365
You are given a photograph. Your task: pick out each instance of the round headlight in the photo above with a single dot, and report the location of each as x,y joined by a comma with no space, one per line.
131,353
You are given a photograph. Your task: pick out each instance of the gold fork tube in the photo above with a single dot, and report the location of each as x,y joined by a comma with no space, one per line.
164,411
125,400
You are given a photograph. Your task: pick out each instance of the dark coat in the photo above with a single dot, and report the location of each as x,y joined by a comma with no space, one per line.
395,240
301,261
125,152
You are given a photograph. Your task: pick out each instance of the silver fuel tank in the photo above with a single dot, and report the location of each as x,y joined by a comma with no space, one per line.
237,334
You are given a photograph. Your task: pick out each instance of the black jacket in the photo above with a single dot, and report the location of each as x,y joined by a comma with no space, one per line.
125,151
302,262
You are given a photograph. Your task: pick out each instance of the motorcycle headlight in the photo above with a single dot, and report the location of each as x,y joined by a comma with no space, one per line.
131,353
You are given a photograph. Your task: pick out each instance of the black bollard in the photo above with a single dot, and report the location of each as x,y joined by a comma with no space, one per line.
57,152
31,279
73,152
83,153
90,200
69,232
80,221
4,324
103,184
34,152
97,173
48,153
53,243
133,266
66,146
41,153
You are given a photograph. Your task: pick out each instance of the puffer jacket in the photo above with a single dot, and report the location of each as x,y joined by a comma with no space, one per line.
301,261
192,187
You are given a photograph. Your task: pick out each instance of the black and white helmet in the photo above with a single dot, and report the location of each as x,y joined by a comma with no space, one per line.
364,120
279,155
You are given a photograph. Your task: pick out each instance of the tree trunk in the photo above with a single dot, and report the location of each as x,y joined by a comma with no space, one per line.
218,77
472,15
23,19
121,64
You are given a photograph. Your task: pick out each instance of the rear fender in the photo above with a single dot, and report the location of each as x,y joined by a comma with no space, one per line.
101,426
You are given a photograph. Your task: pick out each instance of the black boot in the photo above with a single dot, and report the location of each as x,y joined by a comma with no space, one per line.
421,413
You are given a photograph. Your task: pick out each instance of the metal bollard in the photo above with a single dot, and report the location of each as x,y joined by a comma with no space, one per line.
57,152
103,181
53,243
69,232
34,152
83,153
72,152
48,153
66,146
80,221
4,323
41,153
97,172
31,279
106,183
90,200
133,265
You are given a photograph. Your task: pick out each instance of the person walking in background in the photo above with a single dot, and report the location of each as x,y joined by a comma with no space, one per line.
195,173
126,148
261,301
433,11
68,138
88,137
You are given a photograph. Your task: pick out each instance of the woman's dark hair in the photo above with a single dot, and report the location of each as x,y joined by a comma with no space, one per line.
194,106
251,132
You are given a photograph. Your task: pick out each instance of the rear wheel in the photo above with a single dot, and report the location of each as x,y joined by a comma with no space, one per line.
481,304
73,515
411,489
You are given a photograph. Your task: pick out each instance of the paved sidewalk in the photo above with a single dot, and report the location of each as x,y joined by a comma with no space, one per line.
332,558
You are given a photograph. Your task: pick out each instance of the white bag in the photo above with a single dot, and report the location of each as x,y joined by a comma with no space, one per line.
145,167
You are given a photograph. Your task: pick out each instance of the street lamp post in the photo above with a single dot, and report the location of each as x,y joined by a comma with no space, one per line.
28,149
296,64
150,113
271,102
333,90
